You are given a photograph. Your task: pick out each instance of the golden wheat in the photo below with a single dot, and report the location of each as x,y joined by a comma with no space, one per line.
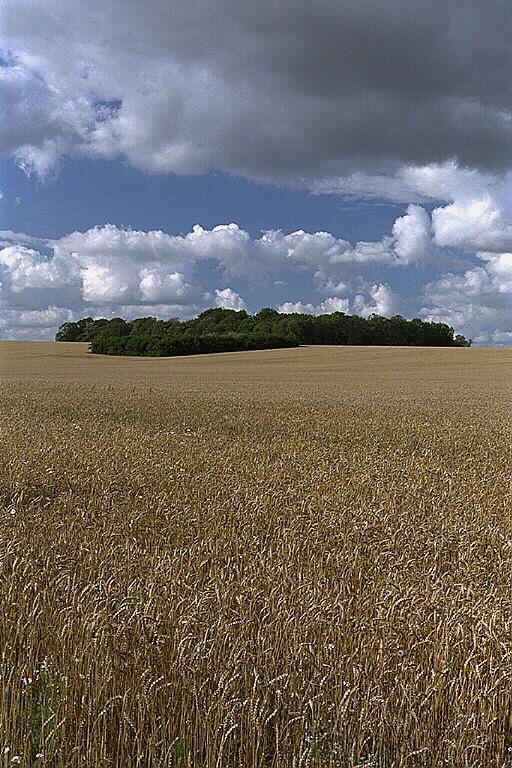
282,559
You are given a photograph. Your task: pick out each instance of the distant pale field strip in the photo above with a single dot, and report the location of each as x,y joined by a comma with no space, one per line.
280,558
310,367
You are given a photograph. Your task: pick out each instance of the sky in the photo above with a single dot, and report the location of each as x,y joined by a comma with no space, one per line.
163,157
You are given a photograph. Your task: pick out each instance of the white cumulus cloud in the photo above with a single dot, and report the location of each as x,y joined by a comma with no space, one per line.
381,301
332,304
227,298
109,270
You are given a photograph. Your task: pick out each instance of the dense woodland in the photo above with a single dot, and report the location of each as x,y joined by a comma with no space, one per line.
225,330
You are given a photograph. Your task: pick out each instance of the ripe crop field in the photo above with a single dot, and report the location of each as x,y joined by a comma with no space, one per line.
268,559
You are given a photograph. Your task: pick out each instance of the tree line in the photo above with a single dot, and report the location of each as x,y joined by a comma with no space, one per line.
227,330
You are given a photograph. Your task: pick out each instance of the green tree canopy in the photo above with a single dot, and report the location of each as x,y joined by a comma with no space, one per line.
222,330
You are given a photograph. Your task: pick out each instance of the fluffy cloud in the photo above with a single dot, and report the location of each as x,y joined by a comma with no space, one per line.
413,237
477,218
378,299
294,90
445,181
480,300
479,223
107,270
25,268
33,318
382,301
40,122
332,304
8,237
227,298
114,261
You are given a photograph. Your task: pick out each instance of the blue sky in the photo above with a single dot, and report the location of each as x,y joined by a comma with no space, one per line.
333,158
90,192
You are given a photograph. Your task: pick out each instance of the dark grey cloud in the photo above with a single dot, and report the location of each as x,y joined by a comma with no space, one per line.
278,89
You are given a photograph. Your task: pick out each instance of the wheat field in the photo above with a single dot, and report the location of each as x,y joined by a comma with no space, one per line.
280,559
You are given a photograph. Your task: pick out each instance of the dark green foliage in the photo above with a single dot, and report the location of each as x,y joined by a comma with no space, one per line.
178,752
225,330
43,715
79,331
